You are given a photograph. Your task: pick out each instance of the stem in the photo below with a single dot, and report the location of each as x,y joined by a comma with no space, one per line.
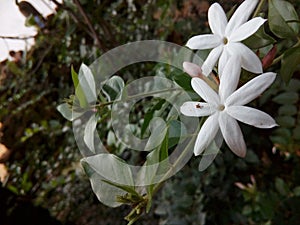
136,96
278,59
259,8
89,24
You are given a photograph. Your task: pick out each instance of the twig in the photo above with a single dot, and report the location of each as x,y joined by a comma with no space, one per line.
17,38
89,24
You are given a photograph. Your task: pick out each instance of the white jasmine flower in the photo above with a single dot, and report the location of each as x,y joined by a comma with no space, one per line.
227,36
225,108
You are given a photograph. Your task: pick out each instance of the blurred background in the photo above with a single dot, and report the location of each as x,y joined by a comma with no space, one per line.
42,181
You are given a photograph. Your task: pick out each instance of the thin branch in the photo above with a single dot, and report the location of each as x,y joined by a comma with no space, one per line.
89,24
74,16
17,38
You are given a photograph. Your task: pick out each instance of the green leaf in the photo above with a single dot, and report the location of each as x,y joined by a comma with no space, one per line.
287,110
176,131
296,133
90,132
67,112
113,170
259,40
281,13
158,129
297,191
74,77
128,189
113,88
86,86
78,90
286,121
149,115
286,98
289,63
281,186
183,80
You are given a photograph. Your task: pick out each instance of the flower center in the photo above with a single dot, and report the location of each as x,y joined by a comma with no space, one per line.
221,107
225,40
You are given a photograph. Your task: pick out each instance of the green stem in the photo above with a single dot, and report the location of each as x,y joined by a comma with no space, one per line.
136,96
259,8
278,59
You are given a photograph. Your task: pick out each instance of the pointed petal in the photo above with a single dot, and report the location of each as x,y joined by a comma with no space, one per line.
247,29
232,134
251,90
205,91
250,61
223,61
240,16
217,19
192,69
211,60
230,77
197,109
251,116
205,41
207,133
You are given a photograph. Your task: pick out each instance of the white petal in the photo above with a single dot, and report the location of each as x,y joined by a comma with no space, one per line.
230,77
241,15
205,91
223,60
250,61
251,89
192,69
211,60
207,133
197,109
251,116
247,29
232,134
217,19
205,41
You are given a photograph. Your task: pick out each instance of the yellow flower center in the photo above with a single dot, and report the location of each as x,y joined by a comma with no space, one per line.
225,40
221,107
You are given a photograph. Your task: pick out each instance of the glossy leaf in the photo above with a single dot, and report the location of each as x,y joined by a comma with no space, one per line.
289,63
282,19
286,121
286,98
78,89
259,40
113,88
67,113
106,193
87,84
288,110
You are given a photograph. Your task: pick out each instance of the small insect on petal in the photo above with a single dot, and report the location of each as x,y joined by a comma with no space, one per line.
198,106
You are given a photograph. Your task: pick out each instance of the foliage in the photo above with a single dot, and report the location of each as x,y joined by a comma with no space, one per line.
44,166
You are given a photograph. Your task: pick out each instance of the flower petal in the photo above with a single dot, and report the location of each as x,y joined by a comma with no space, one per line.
232,134
205,41
251,116
217,19
205,91
223,60
247,29
230,77
211,60
207,133
197,109
250,61
192,69
240,16
251,90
